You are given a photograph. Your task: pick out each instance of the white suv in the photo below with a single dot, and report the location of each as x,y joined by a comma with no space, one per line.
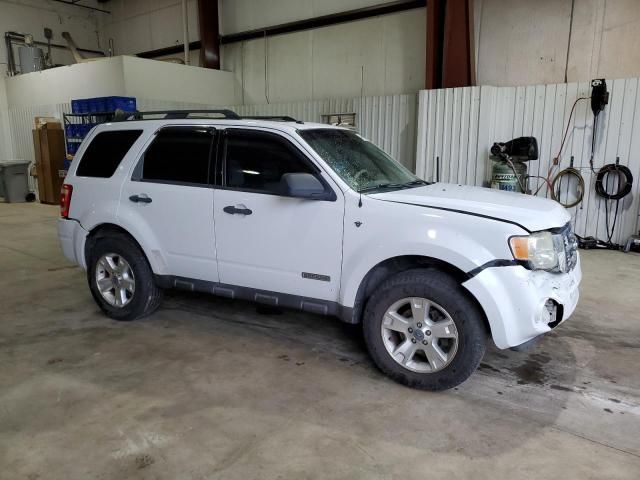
316,218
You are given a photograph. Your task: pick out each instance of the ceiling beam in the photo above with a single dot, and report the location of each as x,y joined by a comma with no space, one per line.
76,3
324,20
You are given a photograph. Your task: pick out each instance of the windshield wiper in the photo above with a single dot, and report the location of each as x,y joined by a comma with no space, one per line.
384,186
381,186
416,182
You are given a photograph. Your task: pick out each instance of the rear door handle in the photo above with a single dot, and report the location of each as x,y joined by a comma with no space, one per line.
142,198
237,211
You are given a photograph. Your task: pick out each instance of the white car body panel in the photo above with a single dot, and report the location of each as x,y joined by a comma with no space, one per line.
185,245
534,213
391,230
100,197
283,237
185,233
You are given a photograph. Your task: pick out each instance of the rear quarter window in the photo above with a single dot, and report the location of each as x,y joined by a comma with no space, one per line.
105,152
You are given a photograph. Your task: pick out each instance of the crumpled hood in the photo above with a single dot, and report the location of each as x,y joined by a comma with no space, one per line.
533,213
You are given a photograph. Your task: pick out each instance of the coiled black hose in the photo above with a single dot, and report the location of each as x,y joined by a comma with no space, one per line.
625,182
624,187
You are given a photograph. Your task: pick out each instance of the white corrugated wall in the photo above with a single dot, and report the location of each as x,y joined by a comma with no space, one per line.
6,149
458,126
388,121
16,126
21,124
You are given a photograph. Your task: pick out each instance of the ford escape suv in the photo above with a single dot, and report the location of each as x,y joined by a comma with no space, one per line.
316,218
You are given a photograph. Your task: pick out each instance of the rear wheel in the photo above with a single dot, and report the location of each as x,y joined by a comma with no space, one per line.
121,280
423,331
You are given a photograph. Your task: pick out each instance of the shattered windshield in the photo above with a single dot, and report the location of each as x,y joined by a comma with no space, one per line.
359,162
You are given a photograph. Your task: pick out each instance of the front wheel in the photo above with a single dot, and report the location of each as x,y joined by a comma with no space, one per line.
423,331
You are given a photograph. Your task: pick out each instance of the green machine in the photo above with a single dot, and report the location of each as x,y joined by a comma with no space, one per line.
509,170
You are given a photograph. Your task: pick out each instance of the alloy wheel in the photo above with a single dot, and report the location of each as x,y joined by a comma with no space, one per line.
115,280
419,334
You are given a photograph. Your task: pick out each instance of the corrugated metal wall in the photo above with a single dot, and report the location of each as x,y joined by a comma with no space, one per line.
458,126
6,151
388,121
19,123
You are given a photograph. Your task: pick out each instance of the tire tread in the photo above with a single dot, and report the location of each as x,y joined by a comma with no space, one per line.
466,314
152,294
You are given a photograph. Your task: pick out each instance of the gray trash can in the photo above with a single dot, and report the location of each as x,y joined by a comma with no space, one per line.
14,180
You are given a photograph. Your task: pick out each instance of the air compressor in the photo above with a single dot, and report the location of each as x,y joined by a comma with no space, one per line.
509,170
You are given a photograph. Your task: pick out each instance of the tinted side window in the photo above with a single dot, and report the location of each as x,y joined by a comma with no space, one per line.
105,152
179,155
257,160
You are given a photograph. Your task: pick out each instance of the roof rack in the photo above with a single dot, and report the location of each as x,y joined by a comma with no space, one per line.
175,114
280,118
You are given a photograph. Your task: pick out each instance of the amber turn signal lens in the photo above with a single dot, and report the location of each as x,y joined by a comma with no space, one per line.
519,247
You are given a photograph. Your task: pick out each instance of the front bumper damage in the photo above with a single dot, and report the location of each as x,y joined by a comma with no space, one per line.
521,304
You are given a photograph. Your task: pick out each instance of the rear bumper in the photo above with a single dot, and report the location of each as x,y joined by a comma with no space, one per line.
513,298
72,239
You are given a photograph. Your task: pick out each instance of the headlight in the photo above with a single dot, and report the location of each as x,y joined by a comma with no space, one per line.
542,251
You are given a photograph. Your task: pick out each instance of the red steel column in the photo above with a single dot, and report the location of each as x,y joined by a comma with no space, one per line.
449,28
209,33
435,44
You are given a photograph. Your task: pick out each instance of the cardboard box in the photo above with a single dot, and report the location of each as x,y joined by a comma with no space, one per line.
47,122
48,145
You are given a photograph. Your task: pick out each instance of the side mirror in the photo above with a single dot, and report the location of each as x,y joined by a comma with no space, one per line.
303,185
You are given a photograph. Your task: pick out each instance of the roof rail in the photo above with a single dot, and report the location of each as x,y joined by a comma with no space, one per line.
175,114
281,118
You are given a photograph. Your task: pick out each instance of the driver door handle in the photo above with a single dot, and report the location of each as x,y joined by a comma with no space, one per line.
142,198
237,211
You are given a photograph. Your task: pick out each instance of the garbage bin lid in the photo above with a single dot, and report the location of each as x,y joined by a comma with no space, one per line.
10,163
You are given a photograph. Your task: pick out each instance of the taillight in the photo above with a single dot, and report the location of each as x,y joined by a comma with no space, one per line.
65,200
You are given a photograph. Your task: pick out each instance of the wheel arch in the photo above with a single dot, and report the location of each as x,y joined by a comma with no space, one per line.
107,229
394,265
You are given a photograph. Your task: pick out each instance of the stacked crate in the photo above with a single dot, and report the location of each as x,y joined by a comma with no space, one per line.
86,114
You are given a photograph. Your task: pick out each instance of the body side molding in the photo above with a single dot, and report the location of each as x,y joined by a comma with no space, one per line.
264,297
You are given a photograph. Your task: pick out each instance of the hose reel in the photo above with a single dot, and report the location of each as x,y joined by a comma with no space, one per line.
625,182
568,172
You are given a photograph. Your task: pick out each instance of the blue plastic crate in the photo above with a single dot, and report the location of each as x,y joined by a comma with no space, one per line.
80,106
128,104
97,105
103,104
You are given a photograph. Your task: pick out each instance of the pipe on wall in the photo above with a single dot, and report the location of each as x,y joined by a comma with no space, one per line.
324,20
13,37
209,28
11,63
185,31
75,3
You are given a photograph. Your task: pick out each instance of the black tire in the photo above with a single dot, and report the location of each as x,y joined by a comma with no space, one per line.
147,295
449,294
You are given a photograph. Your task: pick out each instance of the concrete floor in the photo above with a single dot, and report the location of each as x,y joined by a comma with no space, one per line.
209,388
